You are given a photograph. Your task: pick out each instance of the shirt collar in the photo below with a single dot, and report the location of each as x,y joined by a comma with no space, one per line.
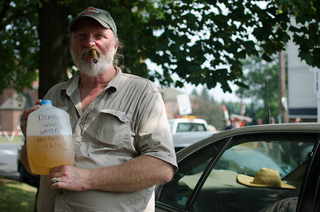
71,85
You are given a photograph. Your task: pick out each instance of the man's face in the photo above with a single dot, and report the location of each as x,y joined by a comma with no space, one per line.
89,35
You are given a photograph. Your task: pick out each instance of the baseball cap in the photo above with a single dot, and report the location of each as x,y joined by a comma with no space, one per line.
102,16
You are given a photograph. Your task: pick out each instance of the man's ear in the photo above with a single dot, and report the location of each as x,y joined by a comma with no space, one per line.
116,46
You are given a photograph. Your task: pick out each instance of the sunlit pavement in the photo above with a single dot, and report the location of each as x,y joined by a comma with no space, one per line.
8,161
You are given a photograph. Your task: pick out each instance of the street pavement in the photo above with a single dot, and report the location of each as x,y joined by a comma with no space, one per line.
8,160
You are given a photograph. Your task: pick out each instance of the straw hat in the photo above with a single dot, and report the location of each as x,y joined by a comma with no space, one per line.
265,177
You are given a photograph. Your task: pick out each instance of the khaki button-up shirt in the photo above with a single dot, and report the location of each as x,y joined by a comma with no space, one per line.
125,120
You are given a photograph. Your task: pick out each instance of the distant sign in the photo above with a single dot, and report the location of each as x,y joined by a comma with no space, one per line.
184,104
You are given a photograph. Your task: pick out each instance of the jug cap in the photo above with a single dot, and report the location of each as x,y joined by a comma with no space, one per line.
46,101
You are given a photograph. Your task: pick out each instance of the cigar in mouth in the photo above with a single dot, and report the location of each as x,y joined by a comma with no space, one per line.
94,56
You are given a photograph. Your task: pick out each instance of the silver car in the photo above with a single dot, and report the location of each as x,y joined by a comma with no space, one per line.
257,168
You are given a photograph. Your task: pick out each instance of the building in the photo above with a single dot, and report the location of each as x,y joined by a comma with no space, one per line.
169,96
11,107
303,90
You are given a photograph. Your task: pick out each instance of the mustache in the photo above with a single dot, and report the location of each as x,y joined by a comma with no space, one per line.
88,51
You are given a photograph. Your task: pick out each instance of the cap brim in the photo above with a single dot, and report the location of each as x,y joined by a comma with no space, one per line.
247,180
76,20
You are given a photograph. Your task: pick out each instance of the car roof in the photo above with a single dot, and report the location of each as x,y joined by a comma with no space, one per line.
309,127
186,120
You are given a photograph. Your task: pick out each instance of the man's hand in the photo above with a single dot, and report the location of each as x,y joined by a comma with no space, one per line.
69,178
25,114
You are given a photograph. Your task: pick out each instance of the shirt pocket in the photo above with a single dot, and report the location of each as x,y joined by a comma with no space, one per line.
113,129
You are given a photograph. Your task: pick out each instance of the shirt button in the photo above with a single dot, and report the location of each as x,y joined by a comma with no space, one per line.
60,191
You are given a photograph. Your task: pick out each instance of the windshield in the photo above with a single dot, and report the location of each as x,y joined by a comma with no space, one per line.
191,127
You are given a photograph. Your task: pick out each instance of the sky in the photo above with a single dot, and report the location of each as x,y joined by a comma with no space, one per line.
217,92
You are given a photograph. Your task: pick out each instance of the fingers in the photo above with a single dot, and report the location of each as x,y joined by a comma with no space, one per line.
55,177
25,114
55,169
29,110
38,102
56,180
59,171
57,183
68,177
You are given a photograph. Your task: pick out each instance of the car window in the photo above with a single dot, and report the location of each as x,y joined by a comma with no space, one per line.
190,127
179,190
249,173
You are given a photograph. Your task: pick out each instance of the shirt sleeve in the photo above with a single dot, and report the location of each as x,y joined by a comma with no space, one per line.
153,135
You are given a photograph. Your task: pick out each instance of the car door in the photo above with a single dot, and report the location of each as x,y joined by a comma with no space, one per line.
220,176
310,190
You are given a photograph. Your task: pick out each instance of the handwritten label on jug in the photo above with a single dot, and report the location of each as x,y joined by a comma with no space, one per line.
51,142
50,124
48,117
51,145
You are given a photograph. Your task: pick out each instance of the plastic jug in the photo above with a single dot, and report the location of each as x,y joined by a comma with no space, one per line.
49,139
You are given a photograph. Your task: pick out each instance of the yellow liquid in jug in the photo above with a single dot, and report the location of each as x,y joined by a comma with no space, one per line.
45,152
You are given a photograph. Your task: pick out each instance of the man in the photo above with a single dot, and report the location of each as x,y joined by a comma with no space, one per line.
297,120
122,141
272,120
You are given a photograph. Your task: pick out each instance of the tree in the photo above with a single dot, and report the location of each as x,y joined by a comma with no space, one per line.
203,42
19,54
262,81
52,15
205,94
194,92
221,29
232,107
211,112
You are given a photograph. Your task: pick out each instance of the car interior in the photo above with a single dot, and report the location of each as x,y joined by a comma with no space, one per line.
243,173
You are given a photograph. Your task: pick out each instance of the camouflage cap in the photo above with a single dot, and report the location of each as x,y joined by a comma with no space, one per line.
102,16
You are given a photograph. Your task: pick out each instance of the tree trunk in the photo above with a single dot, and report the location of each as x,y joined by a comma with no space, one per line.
282,88
53,22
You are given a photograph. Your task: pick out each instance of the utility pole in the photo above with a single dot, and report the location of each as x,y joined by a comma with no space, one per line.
282,88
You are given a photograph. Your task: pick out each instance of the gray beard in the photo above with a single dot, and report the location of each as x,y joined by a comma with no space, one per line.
93,69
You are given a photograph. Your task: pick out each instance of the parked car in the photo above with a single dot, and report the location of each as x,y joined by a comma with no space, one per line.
25,176
187,130
254,168
187,124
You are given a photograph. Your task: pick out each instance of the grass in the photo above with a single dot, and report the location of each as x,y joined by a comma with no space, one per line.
16,196
16,140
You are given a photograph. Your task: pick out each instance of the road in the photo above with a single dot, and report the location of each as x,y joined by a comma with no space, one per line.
8,160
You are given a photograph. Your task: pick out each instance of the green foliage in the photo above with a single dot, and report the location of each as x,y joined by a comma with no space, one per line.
306,33
19,45
262,81
194,92
205,94
203,42
254,111
232,107
211,112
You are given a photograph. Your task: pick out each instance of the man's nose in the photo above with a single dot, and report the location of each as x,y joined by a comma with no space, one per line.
90,41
